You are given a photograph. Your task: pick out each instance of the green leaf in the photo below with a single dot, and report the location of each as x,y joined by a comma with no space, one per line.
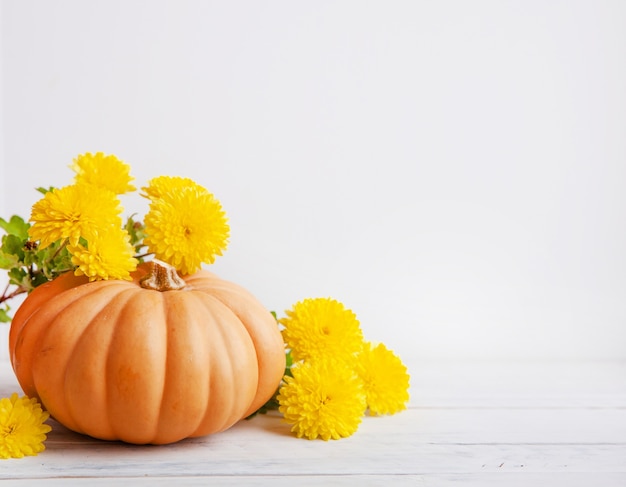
19,277
4,314
12,244
45,190
38,280
62,260
136,230
15,226
288,364
8,260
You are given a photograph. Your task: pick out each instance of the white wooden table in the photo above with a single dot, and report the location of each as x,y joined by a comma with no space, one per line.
480,424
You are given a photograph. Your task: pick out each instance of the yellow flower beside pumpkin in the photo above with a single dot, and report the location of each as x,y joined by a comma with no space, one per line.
22,427
324,399
334,369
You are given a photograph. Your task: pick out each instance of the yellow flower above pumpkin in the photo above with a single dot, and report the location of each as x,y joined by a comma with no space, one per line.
102,170
162,185
385,379
321,327
108,256
22,428
185,226
324,399
74,212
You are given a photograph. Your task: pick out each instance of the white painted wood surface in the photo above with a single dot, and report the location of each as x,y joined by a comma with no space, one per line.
477,424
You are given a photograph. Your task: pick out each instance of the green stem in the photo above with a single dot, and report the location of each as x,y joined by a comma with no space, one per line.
141,256
58,251
5,297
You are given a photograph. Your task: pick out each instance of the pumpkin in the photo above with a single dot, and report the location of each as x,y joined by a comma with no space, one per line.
153,360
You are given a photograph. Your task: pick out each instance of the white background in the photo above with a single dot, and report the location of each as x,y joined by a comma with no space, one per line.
453,171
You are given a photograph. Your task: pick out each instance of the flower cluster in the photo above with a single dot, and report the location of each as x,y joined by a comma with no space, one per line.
79,228
86,216
336,375
22,428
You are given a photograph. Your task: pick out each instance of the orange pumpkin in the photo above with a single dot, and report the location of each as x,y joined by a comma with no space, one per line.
118,361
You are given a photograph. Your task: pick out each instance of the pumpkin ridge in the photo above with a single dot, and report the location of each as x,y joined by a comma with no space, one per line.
169,300
43,374
212,377
39,299
210,303
119,372
125,294
241,303
21,327
159,413
247,334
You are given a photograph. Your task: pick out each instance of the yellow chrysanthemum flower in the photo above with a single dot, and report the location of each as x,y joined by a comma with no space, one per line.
22,428
385,379
162,185
103,170
185,228
324,399
72,212
109,256
319,327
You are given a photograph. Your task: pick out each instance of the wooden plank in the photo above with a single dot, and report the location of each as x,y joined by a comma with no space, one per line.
417,426
492,439
498,479
445,442
204,461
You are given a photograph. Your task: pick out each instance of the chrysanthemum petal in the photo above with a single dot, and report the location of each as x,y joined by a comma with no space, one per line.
102,170
108,256
186,227
385,379
324,399
72,212
22,428
321,327
162,185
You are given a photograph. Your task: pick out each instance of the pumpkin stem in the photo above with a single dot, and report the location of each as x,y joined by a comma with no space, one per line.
162,277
